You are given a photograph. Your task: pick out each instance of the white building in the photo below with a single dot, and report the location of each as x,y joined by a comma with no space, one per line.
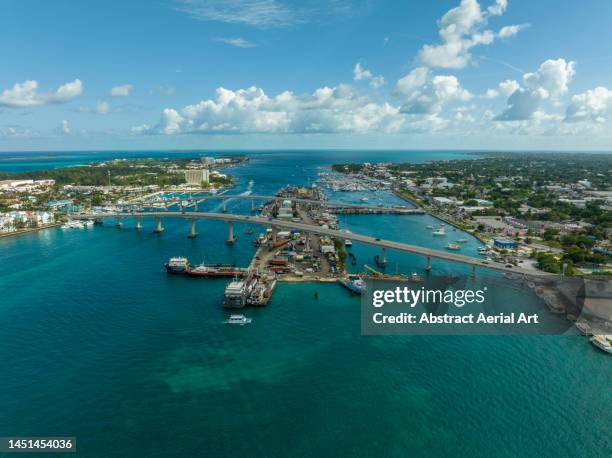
197,177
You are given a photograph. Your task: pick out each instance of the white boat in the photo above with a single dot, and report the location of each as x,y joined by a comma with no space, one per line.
238,319
461,240
453,246
89,223
348,243
602,342
429,226
440,232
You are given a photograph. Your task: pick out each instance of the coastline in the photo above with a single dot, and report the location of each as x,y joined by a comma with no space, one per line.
29,230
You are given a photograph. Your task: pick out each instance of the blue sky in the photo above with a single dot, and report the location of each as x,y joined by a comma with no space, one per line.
175,74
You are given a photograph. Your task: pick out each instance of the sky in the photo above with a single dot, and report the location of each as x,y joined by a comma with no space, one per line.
267,74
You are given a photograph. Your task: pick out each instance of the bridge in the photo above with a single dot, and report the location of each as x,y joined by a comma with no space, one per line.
276,224
334,207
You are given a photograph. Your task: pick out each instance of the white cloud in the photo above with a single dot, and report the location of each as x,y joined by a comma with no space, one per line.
362,74
257,13
461,30
164,90
63,128
121,91
327,110
505,88
549,82
509,31
552,78
592,105
424,93
26,94
101,107
236,42
498,8
16,132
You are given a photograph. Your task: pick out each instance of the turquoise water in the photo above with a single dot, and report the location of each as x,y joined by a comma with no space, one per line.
99,343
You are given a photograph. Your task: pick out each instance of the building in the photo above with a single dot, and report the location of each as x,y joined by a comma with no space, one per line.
197,177
504,244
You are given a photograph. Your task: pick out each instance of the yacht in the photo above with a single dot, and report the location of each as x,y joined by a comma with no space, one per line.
238,319
439,232
602,342
453,246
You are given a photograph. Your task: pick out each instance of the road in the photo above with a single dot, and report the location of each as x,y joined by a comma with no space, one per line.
368,240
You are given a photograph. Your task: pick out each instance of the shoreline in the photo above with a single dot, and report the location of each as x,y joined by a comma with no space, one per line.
29,230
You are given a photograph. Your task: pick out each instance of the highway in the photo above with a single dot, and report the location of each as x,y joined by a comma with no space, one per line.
282,224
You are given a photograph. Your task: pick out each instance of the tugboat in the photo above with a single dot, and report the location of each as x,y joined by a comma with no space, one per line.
178,266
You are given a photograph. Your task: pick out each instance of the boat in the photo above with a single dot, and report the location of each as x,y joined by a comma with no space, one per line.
440,232
177,265
217,271
261,292
380,262
89,223
235,294
239,319
354,285
348,243
461,240
584,328
429,226
248,231
453,246
602,342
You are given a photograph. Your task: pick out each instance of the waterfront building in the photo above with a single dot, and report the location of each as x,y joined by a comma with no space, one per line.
197,177
504,244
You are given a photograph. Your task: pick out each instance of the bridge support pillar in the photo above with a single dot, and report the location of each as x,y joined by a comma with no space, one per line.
195,207
138,224
252,206
230,233
473,272
428,264
192,229
224,206
158,225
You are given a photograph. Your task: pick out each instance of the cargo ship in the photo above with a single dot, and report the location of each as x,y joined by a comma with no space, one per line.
261,293
217,271
182,266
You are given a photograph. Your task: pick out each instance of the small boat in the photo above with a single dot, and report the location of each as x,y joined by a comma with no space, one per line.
429,226
355,286
602,342
584,328
380,262
239,319
440,232
453,246
461,240
348,243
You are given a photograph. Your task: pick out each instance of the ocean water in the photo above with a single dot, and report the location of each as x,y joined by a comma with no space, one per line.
99,343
